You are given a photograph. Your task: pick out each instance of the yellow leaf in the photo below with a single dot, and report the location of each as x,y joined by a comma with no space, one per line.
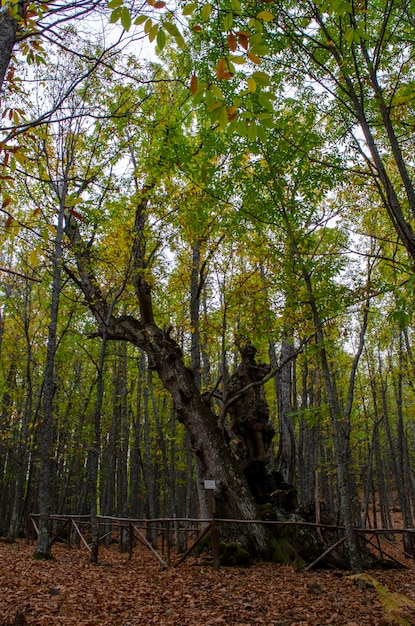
251,84
254,57
265,16
223,117
206,11
153,32
148,26
239,60
217,92
214,106
33,258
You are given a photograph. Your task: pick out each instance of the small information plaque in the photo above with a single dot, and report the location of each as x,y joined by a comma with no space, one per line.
210,484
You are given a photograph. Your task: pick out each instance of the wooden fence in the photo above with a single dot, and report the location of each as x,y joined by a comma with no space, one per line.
161,535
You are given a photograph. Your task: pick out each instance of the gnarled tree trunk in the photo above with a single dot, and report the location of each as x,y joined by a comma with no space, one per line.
233,498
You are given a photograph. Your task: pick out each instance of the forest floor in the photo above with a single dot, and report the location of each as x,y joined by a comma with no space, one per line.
69,590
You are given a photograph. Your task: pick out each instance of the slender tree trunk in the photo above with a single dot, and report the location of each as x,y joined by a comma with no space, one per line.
95,451
161,446
47,426
382,490
340,420
309,436
196,284
286,458
149,463
402,457
136,465
23,445
121,408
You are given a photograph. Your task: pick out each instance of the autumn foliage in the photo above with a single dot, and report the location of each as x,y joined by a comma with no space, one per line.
69,590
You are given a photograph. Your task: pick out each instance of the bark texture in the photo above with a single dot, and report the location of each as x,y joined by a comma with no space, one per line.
8,29
232,495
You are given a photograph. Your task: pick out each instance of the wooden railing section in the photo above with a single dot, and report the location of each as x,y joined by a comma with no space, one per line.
184,534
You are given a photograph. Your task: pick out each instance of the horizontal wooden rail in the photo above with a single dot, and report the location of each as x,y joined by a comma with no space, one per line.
163,526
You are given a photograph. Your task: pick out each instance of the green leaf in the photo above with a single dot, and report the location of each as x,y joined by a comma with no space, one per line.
252,131
188,9
198,96
206,11
115,15
113,4
39,59
349,35
180,42
174,31
262,133
125,17
241,128
223,117
153,32
34,258
228,22
140,20
361,33
161,39
171,29
262,78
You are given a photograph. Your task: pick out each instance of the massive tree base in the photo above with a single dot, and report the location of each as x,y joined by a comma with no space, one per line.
292,540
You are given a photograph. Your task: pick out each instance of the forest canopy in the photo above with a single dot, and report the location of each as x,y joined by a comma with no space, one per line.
221,194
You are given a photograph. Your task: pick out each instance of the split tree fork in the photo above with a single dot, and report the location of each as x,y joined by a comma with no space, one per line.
233,498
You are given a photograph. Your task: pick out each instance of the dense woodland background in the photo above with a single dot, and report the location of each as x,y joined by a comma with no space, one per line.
251,184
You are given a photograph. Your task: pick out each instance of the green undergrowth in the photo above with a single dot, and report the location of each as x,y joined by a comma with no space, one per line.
234,554
396,606
282,551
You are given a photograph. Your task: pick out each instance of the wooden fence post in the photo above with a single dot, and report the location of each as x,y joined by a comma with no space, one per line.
214,535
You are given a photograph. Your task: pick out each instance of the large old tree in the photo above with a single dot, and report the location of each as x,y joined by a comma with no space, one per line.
233,497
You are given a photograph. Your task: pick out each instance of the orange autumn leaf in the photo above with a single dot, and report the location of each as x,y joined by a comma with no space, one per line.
243,40
193,84
77,215
231,41
222,71
232,112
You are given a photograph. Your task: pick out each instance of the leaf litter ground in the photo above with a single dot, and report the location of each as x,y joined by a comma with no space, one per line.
69,590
